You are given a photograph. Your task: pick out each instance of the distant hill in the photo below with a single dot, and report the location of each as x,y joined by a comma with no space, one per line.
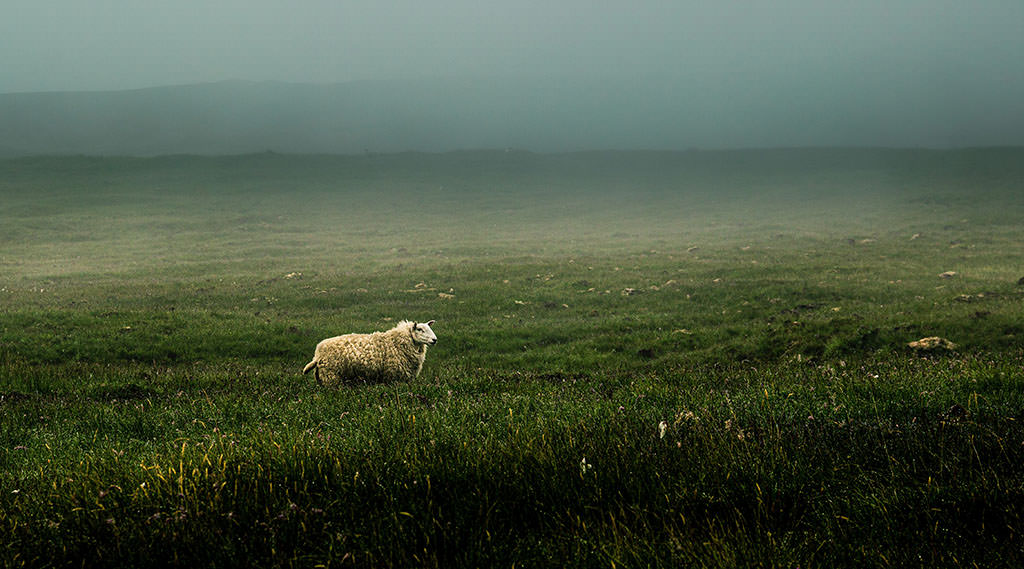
539,114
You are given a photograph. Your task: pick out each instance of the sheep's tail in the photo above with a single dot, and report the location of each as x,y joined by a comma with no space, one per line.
309,366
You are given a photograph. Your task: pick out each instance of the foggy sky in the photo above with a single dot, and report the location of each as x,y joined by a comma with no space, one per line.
963,61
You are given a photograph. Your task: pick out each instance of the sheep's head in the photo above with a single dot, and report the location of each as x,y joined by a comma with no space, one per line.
422,334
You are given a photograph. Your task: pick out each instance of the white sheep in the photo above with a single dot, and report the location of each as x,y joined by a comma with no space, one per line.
396,354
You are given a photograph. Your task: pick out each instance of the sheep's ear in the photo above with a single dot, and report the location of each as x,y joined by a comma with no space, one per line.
431,323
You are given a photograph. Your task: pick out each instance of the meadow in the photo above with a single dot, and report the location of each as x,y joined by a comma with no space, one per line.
645,359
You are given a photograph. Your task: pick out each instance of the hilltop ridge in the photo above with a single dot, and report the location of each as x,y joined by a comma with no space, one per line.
546,114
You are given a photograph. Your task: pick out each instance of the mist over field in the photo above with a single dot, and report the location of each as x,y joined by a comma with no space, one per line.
325,77
715,284
552,114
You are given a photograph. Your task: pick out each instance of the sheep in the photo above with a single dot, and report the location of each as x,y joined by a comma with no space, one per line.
396,354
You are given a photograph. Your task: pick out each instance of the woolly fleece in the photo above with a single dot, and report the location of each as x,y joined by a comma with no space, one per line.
394,355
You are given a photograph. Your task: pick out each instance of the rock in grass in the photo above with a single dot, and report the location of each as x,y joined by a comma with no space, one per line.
947,275
1020,281
932,343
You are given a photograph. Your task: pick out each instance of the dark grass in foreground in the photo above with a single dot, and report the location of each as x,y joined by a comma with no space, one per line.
677,380
902,462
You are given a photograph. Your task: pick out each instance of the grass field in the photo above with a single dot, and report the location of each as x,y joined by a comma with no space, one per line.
690,359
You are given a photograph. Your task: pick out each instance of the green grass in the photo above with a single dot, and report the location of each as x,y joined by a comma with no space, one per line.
154,325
